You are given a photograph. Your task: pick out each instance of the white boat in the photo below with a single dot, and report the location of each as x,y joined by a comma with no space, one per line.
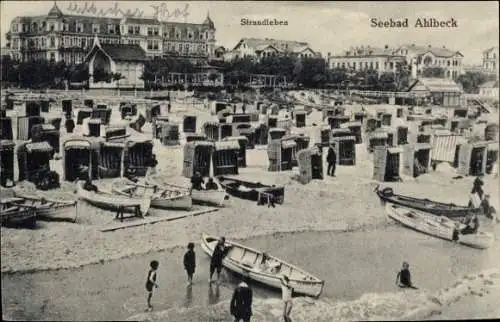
108,200
50,207
209,197
441,227
248,262
163,197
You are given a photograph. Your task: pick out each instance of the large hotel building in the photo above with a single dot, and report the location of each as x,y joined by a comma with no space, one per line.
386,59
61,37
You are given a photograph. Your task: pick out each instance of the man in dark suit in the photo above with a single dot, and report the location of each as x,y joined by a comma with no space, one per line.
241,303
331,158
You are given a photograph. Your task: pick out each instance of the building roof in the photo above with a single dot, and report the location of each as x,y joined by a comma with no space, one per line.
280,45
490,84
436,51
209,22
490,49
142,21
55,11
119,52
434,85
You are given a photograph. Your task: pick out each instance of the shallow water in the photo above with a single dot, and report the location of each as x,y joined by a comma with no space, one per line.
351,263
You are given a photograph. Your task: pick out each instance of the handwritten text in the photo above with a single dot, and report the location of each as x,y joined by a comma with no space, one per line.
162,12
113,11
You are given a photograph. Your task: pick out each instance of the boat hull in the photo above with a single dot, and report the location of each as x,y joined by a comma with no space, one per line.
312,288
109,201
184,202
425,205
252,190
209,197
438,227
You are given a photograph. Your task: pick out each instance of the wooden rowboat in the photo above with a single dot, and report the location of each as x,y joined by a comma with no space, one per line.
199,197
109,201
248,262
47,208
425,205
251,190
14,215
440,227
165,198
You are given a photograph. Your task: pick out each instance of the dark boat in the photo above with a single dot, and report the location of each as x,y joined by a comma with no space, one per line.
254,191
433,207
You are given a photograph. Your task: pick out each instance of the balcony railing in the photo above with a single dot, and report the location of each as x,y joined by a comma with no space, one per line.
185,54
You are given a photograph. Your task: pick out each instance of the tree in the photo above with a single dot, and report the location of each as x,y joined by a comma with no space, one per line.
100,75
435,72
471,81
117,77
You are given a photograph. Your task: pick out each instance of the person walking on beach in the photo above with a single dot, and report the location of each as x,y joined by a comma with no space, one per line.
331,159
216,260
403,279
241,303
286,293
190,262
151,281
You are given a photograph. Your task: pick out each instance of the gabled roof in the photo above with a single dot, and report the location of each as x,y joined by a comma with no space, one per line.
119,52
436,51
281,45
435,85
264,47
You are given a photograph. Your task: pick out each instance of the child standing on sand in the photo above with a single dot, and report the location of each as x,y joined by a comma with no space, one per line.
151,281
190,262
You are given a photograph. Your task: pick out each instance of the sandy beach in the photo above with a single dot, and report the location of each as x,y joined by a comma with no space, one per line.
344,203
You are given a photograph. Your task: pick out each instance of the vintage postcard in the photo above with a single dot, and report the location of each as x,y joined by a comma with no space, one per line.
249,160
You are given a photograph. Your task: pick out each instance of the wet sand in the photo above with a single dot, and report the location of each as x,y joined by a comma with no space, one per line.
351,263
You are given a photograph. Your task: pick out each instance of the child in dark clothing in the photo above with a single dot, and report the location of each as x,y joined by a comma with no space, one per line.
151,281
403,279
190,262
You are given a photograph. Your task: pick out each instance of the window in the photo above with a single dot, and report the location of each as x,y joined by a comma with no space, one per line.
95,28
25,27
111,29
156,31
34,27
15,43
65,27
371,65
79,27
52,41
83,42
448,64
190,35
178,35
52,56
137,30
43,42
186,48
201,36
14,27
52,27
150,31
376,65
180,47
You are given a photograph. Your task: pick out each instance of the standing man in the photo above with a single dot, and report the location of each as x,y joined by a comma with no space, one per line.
331,158
241,303
216,260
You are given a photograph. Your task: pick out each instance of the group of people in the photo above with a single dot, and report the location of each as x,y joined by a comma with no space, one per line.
198,183
241,301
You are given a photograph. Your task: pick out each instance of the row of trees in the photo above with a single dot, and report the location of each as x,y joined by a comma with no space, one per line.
308,72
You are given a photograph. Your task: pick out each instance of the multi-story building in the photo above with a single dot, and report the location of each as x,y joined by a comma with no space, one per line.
422,57
490,61
260,48
366,58
57,36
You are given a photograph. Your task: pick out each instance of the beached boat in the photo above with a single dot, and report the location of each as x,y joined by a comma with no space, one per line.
199,197
441,227
249,262
164,197
109,201
48,208
209,197
426,205
14,215
253,191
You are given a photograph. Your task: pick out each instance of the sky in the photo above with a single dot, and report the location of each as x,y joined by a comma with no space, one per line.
327,26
